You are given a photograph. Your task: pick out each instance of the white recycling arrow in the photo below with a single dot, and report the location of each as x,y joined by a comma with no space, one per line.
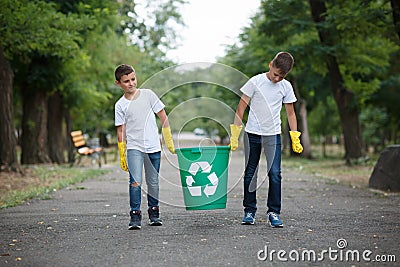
203,165
213,178
189,180
209,190
195,191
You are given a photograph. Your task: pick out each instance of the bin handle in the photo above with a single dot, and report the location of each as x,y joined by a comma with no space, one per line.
196,150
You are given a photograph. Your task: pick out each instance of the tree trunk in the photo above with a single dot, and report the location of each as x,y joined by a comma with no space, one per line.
349,114
54,129
69,129
8,140
349,118
34,127
396,15
324,146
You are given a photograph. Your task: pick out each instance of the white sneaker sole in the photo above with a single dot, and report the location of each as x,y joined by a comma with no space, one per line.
275,226
155,223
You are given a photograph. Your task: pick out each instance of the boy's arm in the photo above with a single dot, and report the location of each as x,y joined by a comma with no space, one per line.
166,130
121,133
236,127
291,115
294,134
162,115
244,101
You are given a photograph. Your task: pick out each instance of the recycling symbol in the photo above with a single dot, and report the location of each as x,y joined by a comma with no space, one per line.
209,189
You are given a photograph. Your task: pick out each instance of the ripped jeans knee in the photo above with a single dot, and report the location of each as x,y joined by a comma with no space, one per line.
135,184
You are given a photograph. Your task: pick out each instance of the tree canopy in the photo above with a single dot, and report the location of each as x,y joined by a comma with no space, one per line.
340,47
58,59
60,68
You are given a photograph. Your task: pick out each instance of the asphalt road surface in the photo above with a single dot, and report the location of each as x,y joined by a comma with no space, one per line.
326,224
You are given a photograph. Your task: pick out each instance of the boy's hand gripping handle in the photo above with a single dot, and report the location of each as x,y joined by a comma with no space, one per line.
166,132
122,156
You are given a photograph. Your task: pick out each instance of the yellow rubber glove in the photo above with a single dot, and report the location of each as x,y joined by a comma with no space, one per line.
122,157
166,132
234,140
296,146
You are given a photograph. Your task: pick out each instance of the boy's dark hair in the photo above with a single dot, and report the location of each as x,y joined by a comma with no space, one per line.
284,62
122,70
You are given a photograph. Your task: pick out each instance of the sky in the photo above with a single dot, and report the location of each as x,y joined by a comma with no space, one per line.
210,25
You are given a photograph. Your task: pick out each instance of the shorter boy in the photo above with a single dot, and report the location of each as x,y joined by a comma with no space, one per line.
138,142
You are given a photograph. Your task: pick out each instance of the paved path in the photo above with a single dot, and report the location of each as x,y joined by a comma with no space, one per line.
86,225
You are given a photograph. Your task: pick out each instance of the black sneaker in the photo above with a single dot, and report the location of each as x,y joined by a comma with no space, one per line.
154,216
136,220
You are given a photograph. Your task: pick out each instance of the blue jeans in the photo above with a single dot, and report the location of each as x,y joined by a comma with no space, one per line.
272,150
151,161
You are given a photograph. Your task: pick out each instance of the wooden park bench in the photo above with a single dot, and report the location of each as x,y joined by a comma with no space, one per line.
94,151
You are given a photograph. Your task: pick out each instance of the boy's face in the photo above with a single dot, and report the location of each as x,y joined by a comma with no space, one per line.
128,83
275,74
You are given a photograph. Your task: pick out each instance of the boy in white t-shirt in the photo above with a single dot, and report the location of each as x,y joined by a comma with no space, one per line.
138,142
265,93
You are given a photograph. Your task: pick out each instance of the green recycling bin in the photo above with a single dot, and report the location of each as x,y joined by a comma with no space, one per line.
204,176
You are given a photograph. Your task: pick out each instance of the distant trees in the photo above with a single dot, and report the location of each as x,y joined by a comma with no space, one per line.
57,63
56,72
24,44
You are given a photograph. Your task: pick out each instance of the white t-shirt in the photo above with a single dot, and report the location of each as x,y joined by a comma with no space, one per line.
140,120
266,100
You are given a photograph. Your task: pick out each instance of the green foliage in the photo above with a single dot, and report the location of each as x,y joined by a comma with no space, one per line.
373,121
90,90
363,49
89,86
93,45
324,119
74,46
363,43
388,98
54,34
151,25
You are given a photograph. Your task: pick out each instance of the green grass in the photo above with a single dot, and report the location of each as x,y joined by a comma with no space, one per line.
41,180
333,169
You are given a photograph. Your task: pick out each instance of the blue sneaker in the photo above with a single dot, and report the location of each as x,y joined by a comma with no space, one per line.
136,220
274,220
248,218
154,216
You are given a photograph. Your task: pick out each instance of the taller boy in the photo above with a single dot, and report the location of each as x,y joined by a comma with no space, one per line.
137,133
265,93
